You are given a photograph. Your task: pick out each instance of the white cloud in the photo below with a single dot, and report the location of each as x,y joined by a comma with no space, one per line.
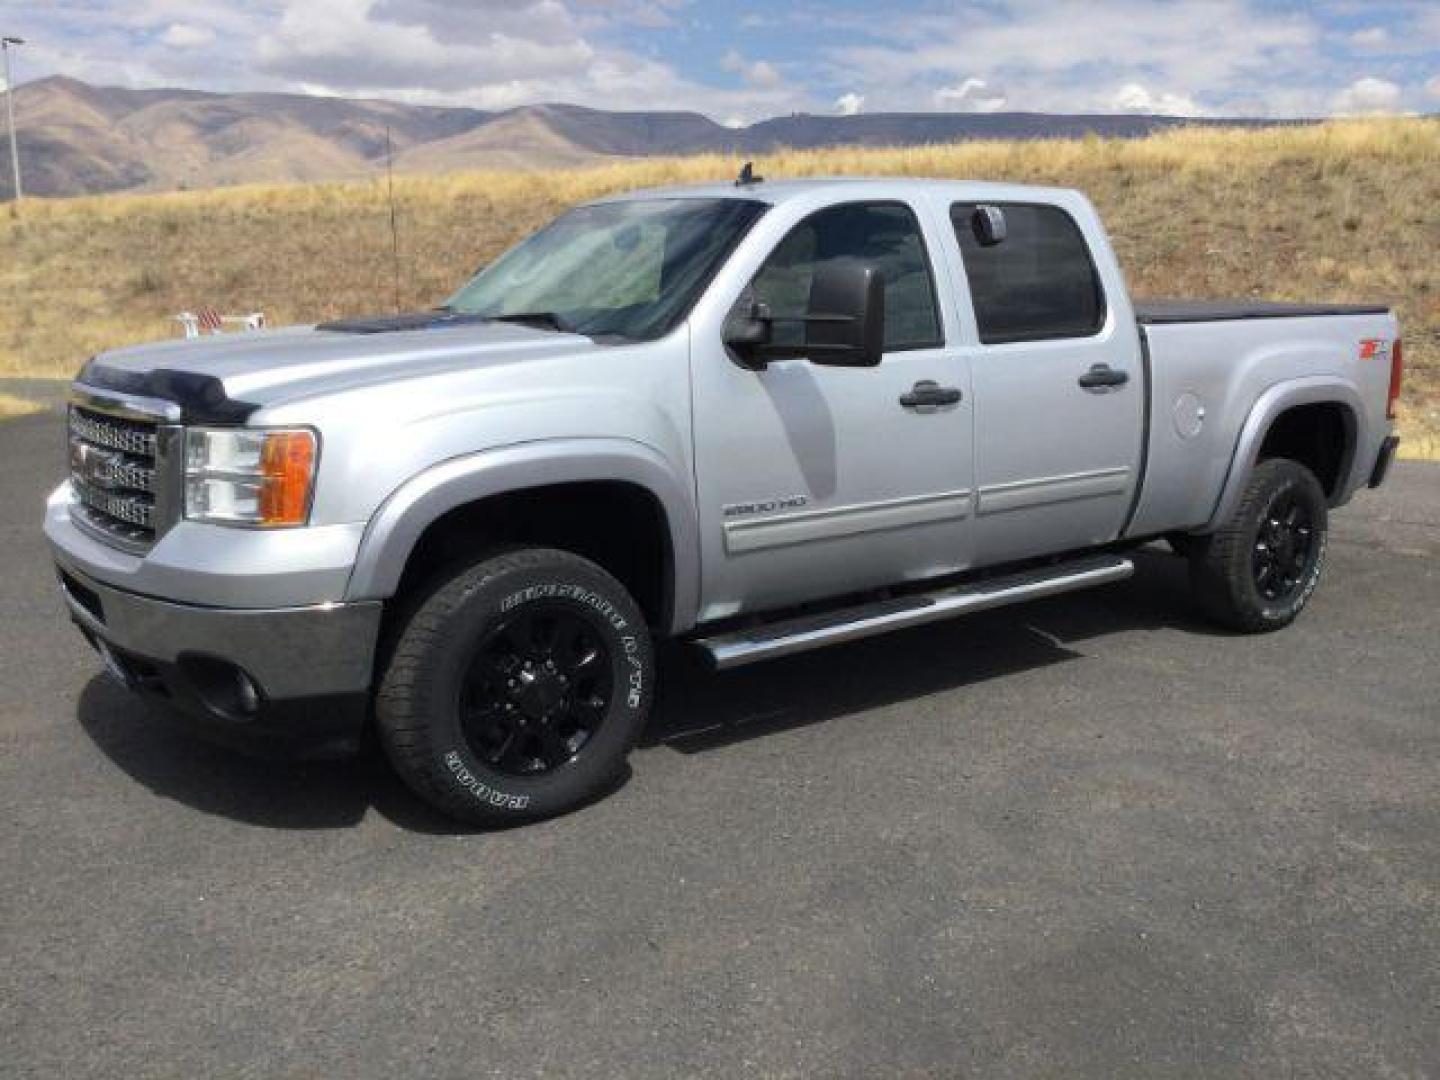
398,44
1432,88
972,95
1070,55
186,36
1135,98
1368,96
1372,37
497,54
760,73
1214,57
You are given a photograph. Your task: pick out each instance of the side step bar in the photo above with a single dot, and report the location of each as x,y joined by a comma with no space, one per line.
768,641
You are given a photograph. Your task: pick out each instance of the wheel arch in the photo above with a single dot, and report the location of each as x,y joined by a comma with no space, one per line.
1292,418
578,474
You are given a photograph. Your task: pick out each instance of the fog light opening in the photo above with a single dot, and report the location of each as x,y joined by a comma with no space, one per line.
226,689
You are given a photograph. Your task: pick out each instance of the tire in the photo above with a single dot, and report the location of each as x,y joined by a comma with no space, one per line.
1181,544
517,688
1259,570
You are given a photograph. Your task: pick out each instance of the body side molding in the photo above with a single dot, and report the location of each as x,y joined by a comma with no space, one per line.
833,523
1045,490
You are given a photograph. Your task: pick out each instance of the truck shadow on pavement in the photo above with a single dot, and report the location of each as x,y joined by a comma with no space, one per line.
697,710
700,710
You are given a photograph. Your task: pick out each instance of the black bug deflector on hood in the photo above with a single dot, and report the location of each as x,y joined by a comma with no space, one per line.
202,398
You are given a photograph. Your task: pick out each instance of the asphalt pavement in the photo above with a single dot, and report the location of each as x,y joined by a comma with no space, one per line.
1087,837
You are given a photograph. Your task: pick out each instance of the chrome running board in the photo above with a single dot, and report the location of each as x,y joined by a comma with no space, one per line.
771,640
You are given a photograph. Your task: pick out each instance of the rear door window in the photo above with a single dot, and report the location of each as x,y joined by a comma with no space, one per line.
1039,284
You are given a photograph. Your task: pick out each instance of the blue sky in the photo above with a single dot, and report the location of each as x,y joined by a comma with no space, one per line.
745,60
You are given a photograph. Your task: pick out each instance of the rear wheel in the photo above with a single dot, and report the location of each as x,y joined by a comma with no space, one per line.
1259,570
517,687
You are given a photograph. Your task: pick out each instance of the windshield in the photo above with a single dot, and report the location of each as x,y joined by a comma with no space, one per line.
623,269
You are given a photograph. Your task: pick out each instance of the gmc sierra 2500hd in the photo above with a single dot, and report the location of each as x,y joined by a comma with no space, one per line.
763,417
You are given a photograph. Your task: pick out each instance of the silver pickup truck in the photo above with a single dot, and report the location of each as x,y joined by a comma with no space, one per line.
760,417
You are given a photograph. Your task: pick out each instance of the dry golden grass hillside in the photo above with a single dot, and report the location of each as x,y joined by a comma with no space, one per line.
1344,211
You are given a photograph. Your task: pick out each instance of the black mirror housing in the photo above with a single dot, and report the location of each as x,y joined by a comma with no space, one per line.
844,322
845,326
988,224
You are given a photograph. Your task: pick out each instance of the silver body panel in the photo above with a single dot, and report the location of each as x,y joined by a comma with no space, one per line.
789,484
1217,386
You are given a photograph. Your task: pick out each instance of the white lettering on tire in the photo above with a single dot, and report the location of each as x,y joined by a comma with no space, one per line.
481,790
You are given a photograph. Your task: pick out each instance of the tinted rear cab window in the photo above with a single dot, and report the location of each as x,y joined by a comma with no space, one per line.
1040,283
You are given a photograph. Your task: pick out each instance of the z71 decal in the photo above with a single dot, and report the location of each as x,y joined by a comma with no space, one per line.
1374,349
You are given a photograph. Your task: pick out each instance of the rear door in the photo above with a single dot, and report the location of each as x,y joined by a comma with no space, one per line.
1058,381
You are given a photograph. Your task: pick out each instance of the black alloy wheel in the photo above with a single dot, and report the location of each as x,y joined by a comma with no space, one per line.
537,690
1284,547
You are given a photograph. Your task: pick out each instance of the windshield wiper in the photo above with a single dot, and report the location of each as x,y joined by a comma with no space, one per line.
547,320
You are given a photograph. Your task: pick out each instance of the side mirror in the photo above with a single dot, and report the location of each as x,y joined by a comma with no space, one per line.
988,224
844,325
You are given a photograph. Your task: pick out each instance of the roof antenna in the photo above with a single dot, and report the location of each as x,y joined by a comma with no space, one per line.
748,177
394,226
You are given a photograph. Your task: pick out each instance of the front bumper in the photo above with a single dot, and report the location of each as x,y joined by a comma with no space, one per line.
291,679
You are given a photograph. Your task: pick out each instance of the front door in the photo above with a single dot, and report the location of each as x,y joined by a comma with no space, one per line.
819,481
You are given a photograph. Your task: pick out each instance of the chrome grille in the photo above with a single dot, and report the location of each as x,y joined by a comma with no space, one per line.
113,473
128,436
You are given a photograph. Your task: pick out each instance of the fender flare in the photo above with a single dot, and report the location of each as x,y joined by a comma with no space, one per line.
1278,399
396,527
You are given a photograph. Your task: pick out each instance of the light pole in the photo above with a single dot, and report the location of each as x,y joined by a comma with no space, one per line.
5,43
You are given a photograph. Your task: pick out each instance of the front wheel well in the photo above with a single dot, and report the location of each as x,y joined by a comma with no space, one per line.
1320,436
619,526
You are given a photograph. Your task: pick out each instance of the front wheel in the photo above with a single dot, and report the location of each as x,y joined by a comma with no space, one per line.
1259,570
517,687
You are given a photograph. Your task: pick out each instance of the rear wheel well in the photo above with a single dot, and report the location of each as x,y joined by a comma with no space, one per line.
619,526
1320,436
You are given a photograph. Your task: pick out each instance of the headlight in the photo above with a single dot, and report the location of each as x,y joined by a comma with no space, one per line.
261,478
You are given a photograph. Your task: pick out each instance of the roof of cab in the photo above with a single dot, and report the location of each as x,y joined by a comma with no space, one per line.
779,191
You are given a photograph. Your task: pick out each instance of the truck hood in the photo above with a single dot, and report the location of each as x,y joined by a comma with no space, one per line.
227,377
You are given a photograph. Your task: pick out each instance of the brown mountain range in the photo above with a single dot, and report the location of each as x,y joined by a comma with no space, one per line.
79,139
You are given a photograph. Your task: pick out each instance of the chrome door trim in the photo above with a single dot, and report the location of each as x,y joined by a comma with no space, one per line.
837,522
1026,494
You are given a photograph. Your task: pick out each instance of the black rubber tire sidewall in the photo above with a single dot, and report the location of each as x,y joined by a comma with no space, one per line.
416,710
1221,567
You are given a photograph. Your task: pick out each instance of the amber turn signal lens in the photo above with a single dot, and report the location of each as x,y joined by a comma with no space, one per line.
286,464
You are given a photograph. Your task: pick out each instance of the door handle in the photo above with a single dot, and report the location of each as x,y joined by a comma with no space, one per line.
927,394
1101,376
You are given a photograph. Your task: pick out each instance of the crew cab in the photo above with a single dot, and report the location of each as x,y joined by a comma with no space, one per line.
762,417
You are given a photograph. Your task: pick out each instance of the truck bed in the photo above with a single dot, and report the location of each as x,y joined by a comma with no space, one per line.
1157,312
